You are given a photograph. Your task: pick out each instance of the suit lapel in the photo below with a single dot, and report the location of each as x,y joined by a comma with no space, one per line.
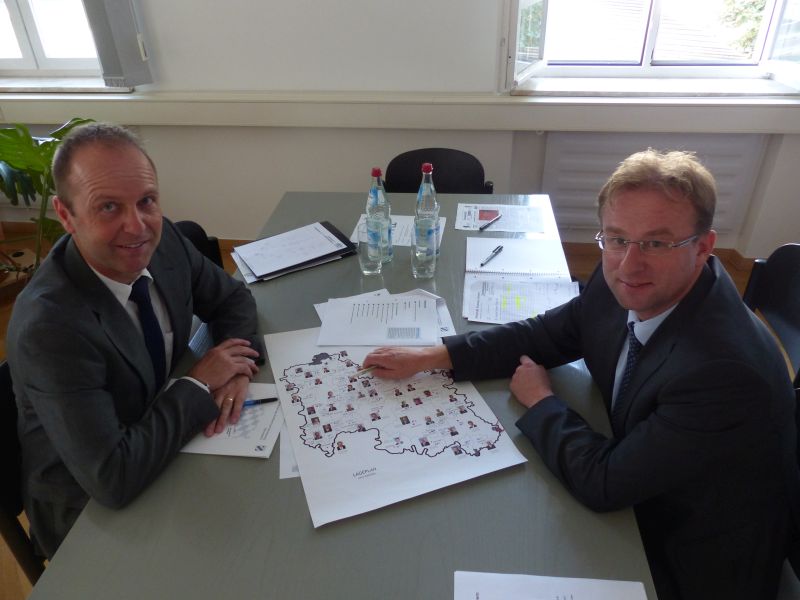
165,275
111,316
661,345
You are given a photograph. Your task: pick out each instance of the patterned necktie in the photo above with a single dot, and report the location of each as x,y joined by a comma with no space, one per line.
153,337
634,348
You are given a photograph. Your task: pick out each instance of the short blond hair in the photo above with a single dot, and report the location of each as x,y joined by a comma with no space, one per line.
678,175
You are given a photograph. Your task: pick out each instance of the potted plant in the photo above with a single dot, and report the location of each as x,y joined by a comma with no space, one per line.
26,174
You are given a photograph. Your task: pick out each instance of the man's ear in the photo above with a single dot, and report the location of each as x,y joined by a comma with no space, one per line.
705,245
63,214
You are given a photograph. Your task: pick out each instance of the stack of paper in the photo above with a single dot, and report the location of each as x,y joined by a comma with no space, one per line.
291,251
417,318
525,278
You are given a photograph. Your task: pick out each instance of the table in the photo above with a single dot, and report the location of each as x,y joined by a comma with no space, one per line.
213,527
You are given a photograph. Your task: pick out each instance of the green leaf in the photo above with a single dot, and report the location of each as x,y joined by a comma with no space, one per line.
51,228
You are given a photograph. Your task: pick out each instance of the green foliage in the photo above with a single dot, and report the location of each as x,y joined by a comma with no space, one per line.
26,174
530,28
745,15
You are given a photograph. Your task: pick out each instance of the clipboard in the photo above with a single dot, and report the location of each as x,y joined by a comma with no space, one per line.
294,250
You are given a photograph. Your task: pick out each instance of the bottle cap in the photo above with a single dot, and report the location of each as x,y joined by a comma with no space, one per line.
427,168
376,172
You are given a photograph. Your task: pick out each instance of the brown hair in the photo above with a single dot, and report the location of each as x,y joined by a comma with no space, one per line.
678,175
107,134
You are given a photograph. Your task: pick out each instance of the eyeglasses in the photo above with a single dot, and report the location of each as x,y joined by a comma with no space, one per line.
650,247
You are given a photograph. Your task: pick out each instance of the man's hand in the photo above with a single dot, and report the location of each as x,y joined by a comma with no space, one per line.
223,362
530,382
230,399
398,362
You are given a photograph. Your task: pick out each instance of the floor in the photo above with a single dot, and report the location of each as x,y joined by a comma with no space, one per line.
581,258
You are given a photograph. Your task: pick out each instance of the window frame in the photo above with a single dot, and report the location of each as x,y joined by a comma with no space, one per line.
34,62
782,71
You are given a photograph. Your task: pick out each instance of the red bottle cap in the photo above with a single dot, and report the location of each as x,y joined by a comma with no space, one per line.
376,172
427,168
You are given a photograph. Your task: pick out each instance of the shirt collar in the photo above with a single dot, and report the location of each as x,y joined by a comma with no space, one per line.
644,330
121,291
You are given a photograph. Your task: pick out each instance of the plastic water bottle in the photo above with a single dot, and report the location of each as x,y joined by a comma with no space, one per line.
379,215
426,222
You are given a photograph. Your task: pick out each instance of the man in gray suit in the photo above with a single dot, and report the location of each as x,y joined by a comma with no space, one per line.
89,354
698,395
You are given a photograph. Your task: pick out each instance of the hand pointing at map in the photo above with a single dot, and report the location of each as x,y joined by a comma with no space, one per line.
399,362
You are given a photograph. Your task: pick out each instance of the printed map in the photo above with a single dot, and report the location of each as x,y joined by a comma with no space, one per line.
425,415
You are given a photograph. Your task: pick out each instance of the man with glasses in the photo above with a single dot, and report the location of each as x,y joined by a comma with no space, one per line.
698,394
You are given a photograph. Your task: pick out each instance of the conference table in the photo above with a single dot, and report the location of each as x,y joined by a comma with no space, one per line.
228,527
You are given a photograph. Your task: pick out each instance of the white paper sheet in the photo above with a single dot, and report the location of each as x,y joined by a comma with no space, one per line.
362,443
446,326
253,435
396,320
514,218
289,248
470,585
402,229
502,299
288,463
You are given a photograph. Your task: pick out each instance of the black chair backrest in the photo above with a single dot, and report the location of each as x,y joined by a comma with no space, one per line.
11,530
454,172
774,289
206,244
10,460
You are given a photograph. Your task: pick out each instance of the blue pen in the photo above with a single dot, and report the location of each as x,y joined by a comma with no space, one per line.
257,402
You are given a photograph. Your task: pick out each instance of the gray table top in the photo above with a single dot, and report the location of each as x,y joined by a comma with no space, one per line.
213,526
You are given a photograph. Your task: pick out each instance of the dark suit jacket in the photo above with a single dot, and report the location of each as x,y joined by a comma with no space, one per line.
703,442
91,422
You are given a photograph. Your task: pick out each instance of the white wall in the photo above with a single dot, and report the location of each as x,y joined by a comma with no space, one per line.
369,45
256,98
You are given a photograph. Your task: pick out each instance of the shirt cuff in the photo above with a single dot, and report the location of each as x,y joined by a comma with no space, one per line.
198,383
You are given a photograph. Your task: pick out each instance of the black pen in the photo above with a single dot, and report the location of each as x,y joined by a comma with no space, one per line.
257,402
494,253
485,225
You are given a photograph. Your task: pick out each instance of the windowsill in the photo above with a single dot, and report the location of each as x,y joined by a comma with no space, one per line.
58,85
653,88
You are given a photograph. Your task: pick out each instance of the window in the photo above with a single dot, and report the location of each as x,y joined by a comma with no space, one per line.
46,37
653,38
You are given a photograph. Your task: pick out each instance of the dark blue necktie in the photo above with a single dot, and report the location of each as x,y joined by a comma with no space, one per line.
634,348
153,337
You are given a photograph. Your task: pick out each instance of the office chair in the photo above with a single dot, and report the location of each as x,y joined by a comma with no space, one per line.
11,493
454,172
207,245
774,289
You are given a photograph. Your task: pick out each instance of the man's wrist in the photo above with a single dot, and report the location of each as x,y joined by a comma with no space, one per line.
198,383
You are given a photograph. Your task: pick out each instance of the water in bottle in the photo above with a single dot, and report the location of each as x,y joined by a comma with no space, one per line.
426,222
426,200
379,215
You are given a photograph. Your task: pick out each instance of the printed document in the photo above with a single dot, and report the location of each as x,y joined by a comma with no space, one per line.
523,280
255,433
393,320
446,325
362,443
299,248
535,219
470,585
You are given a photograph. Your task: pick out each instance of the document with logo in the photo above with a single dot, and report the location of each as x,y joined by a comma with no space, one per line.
255,433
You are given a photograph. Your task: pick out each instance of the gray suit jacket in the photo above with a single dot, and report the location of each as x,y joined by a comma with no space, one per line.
91,422
703,442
